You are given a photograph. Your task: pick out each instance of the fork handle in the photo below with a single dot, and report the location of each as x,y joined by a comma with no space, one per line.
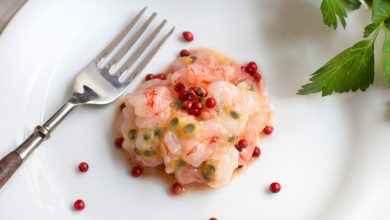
11,162
8,165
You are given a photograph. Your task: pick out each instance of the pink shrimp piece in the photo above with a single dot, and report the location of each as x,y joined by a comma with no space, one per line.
153,101
227,158
170,150
255,124
200,151
188,174
205,69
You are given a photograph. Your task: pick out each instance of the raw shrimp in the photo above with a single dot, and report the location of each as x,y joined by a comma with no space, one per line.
205,67
161,126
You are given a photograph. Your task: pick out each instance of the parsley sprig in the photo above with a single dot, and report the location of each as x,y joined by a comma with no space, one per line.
353,68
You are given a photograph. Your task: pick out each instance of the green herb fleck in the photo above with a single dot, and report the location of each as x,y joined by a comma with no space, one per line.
193,58
148,134
208,171
250,87
173,123
234,115
131,134
178,103
137,151
178,164
189,128
150,153
232,138
158,131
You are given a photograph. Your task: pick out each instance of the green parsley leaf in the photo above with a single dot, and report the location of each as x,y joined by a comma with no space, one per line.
352,69
386,53
352,4
330,9
380,11
369,29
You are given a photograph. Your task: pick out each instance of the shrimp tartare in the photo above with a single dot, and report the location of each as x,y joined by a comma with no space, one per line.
200,121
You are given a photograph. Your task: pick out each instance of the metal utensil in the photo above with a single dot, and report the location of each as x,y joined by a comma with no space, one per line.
97,84
8,9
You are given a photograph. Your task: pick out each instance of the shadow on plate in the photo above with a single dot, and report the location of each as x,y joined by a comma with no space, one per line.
294,32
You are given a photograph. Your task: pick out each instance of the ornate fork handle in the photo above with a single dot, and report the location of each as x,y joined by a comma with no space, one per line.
11,162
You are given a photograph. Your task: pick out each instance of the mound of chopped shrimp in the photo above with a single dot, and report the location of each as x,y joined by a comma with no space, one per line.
171,121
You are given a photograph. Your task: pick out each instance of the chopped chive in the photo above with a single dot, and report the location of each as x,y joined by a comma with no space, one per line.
148,134
131,134
173,123
189,128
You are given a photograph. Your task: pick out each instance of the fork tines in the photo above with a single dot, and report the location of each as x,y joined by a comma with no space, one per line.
113,61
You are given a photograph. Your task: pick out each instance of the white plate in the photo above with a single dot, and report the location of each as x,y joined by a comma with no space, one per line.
331,154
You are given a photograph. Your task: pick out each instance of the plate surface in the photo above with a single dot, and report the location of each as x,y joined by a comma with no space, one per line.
331,154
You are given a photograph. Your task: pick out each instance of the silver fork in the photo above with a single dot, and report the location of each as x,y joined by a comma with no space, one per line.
96,84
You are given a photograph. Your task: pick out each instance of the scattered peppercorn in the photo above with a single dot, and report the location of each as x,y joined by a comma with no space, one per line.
83,167
268,129
193,111
191,95
177,189
182,95
256,153
251,68
187,104
184,53
243,143
197,105
119,142
257,77
205,115
201,92
149,77
275,187
211,102
180,87
136,171
188,36
79,205
161,76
